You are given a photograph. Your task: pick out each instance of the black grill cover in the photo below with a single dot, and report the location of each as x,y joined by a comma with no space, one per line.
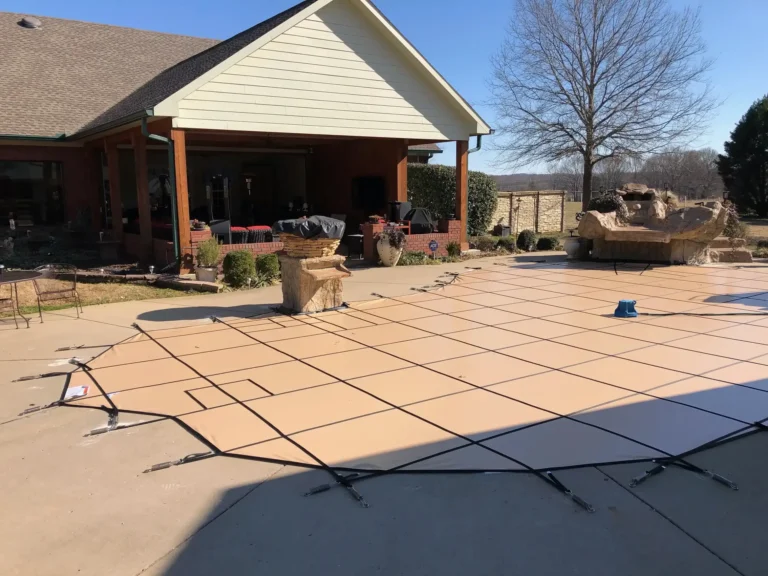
312,227
421,221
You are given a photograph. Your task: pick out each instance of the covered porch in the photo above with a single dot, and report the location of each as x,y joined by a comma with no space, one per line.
239,183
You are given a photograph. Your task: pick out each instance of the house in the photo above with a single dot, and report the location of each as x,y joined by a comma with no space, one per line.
422,153
139,133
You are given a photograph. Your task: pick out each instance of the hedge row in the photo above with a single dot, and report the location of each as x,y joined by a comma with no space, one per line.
433,187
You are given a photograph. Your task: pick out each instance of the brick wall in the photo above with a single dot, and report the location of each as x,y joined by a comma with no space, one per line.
448,231
198,236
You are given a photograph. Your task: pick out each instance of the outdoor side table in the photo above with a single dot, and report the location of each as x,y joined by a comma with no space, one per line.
13,279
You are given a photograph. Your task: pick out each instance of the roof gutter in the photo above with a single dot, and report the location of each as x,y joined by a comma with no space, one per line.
171,182
141,115
57,138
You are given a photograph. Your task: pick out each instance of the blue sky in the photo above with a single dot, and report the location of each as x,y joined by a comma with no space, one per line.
457,36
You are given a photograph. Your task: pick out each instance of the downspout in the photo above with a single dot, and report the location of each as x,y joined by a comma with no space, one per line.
171,181
479,145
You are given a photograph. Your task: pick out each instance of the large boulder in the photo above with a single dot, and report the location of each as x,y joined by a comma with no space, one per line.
699,223
594,224
632,188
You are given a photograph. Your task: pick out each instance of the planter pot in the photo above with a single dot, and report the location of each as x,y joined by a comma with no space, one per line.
576,248
206,274
389,254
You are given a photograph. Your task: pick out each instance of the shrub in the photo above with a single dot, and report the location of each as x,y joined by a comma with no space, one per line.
433,187
547,243
734,227
239,267
485,243
762,243
526,240
610,202
268,267
453,249
208,253
761,252
413,258
508,243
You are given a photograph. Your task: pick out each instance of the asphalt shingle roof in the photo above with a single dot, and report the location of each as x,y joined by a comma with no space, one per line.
69,76
58,78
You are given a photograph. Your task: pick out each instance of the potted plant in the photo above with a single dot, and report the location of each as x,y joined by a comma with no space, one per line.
207,268
390,243
198,225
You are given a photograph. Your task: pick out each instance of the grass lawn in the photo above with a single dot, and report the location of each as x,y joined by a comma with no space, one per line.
757,228
569,222
91,294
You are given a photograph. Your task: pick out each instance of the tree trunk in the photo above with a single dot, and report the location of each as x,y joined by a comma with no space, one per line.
586,185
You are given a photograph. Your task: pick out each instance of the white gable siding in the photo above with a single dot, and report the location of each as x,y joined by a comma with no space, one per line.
334,74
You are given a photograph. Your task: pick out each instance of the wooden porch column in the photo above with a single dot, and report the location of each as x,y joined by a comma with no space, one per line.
182,200
402,172
462,186
142,197
115,197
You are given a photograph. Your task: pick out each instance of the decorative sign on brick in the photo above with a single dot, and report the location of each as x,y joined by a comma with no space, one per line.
433,245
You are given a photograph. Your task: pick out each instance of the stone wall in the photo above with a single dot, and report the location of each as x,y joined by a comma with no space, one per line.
541,212
550,213
501,215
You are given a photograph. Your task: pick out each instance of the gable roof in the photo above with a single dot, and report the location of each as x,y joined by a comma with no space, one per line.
177,77
169,106
91,76
58,78
431,148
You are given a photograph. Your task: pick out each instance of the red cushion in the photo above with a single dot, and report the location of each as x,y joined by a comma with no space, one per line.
238,229
259,228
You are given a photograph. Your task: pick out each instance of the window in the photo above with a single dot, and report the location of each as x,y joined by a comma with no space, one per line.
31,193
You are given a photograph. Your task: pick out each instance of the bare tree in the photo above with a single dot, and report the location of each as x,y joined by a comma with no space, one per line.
611,173
567,174
599,79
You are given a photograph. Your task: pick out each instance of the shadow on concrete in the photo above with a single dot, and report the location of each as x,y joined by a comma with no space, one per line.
757,300
491,523
540,258
178,313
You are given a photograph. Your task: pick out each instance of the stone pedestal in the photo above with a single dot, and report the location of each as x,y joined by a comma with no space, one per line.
312,284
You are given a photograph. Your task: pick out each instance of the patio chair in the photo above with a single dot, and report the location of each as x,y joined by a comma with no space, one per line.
6,303
50,287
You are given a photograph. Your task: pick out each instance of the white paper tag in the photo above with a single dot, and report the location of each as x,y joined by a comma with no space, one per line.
76,392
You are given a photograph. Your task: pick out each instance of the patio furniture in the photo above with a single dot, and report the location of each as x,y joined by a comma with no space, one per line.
12,279
239,235
259,234
6,303
221,229
50,286
355,245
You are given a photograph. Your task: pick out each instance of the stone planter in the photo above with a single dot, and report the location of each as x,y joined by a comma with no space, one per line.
389,255
206,274
576,248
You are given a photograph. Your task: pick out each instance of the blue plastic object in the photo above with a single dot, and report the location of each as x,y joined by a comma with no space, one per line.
626,309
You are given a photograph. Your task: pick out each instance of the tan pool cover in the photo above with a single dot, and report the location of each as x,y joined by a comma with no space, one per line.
513,367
